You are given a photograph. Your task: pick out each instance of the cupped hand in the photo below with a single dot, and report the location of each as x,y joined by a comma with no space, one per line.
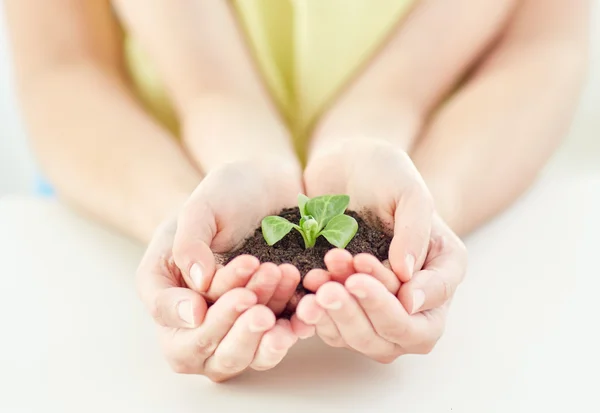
356,306
399,305
223,211
221,320
219,341
382,180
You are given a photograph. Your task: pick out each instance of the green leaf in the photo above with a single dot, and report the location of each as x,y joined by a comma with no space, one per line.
302,200
274,228
308,223
340,230
310,230
324,208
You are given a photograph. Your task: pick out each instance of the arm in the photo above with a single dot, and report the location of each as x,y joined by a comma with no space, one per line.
200,53
504,122
96,145
489,142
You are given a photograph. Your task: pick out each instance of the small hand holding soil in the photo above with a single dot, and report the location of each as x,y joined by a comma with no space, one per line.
291,248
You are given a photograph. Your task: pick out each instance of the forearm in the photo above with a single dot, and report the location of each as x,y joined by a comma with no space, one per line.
487,145
384,118
93,140
392,96
198,48
101,151
221,129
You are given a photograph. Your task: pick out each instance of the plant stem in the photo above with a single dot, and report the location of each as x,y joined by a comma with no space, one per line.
309,242
306,240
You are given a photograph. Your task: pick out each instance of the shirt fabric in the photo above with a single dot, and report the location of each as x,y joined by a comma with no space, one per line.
306,51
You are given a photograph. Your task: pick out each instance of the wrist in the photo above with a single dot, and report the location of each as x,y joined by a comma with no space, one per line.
447,200
163,202
352,149
221,129
378,119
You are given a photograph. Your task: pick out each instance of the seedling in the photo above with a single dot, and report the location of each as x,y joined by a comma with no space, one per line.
320,216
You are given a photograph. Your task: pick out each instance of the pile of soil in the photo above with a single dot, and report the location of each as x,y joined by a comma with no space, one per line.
370,238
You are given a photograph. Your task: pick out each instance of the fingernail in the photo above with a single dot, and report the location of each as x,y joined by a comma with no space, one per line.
335,305
255,328
243,272
289,341
410,265
359,293
243,307
418,297
316,319
185,311
285,344
309,334
197,276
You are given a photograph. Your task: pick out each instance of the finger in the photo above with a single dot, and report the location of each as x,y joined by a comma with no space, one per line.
339,264
158,285
301,329
388,317
290,278
308,311
413,334
220,317
315,278
368,264
444,270
265,281
412,228
236,350
235,274
352,323
179,308
274,346
196,229
311,313
328,332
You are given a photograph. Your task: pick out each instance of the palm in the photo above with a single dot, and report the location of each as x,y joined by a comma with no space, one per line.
226,209
379,178
373,174
234,199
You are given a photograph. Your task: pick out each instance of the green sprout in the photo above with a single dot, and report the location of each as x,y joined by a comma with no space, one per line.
323,215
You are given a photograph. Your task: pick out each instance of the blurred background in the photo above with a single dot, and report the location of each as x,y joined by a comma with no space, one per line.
581,148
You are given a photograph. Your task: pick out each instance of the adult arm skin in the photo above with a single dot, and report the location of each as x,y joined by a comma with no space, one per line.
97,146
484,146
95,142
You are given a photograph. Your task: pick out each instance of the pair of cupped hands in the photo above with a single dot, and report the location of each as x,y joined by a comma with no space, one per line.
219,321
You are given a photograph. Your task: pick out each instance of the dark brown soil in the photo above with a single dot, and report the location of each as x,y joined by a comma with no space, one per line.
369,239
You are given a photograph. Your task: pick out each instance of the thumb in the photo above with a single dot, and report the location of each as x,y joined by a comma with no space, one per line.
412,229
159,286
196,228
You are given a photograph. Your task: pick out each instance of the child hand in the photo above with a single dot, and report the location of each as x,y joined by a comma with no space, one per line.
273,285
224,210
220,342
364,314
381,179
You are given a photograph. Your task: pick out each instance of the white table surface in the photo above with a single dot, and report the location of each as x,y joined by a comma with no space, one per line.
522,335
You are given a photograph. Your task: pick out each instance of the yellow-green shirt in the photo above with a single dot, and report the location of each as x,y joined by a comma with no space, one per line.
306,51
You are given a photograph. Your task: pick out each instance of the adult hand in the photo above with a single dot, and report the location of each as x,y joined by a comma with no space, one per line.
220,341
179,277
362,314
